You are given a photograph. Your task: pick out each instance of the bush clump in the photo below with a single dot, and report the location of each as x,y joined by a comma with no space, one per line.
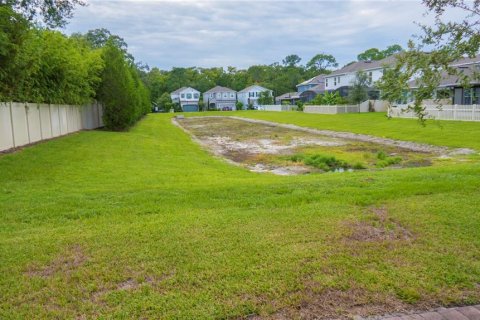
384,160
322,162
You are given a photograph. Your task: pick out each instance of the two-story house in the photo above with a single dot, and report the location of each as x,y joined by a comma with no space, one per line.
220,98
309,89
341,80
250,95
451,89
187,98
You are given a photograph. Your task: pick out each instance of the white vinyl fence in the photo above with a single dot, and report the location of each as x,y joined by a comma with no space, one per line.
445,112
25,123
277,107
332,109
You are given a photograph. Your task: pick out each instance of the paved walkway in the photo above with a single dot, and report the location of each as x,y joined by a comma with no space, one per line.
460,313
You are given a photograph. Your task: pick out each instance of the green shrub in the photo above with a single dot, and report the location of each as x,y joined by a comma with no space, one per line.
385,160
322,162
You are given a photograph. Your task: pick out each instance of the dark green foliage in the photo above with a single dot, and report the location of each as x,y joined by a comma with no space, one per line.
376,54
265,98
328,98
300,105
239,105
165,102
124,97
51,13
322,162
359,89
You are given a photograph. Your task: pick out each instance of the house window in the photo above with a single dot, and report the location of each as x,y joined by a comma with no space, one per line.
232,95
219,95
326,82
339,80
211,95
182,95
189,96
195,95
251,94
335,81
256,93
370,77
225,95
467,96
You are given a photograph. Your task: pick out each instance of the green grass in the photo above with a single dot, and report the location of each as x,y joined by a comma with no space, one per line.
145,224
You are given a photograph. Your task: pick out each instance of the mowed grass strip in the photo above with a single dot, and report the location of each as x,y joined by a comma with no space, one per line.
147,224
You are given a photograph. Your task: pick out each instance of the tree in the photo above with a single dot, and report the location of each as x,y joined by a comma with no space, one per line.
430,59
52,13
291,60
165,102
376,54
265,98
321,62
359,89
239,105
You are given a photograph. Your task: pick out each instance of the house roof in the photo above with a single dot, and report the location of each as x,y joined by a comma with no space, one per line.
467,60
289,95
182,89
315,80
219,89
252,86
319,88
364,65
449,80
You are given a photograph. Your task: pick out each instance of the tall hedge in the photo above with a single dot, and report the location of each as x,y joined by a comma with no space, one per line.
45,66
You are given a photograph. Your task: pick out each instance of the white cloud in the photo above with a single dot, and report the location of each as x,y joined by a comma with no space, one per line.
241,33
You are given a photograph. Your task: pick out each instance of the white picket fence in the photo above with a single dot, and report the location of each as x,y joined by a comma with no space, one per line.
26,123
444,112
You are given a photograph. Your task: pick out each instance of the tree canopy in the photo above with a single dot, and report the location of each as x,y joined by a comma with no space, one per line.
376,54
430,57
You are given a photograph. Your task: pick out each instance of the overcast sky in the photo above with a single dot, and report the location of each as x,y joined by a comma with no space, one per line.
185,33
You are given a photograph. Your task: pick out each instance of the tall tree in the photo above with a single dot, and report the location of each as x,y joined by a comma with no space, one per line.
53,13
291,60
321,62
376,54
359,89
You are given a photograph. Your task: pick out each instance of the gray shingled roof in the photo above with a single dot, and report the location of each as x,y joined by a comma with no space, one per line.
319,88
467,60
178,90
318,79
219,89
364,65
289,95
449,80
254,85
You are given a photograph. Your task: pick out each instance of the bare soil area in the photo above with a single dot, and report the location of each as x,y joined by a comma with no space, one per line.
284,149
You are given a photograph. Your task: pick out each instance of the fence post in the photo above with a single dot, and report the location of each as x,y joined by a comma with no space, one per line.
473,111
11,121
454,112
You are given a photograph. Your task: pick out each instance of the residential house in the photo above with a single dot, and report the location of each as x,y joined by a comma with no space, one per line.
341,80
289,97
451,89
250,95
311,83
220,98
187,98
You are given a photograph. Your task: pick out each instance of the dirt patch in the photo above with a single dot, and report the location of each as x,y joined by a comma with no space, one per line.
66,263
377,226
281,149
330,303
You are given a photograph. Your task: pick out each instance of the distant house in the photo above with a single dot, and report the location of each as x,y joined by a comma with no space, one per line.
289,97
341,80
250,95
187,98
311,83
451,90
220,98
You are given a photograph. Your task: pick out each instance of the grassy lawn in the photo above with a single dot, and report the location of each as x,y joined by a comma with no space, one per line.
146,224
